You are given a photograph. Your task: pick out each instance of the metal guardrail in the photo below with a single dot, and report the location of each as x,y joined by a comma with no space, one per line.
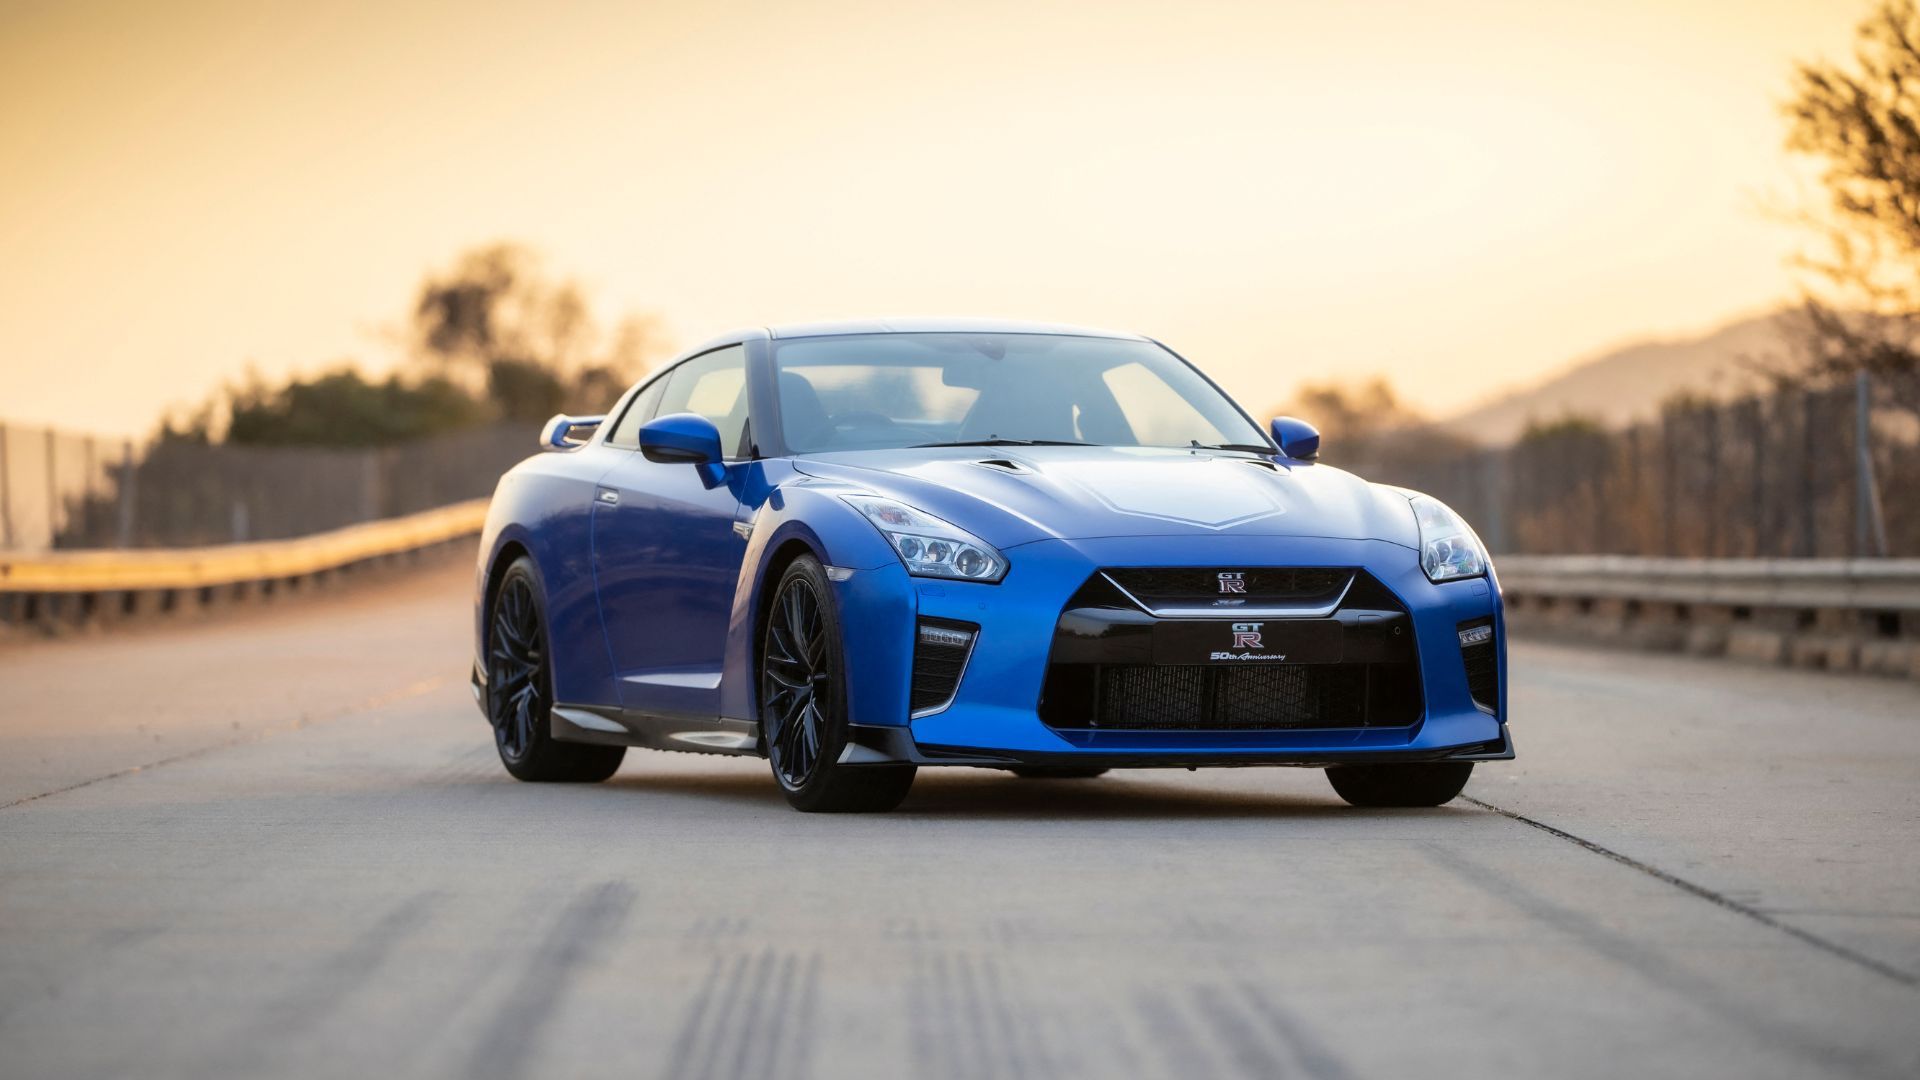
60,589
1837,614
1850,584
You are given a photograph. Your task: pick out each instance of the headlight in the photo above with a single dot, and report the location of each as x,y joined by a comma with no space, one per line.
931,547
1448,549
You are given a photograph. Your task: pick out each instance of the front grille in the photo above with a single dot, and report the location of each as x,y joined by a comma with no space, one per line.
1255,697
940,651
1483,669
1273,585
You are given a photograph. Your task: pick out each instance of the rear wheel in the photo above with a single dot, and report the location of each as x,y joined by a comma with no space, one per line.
803,707
1419,784
1057,772
520,690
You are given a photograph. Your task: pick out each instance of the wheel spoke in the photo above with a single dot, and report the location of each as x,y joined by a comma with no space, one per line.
796,629
788,683
811,730
788,742
780,649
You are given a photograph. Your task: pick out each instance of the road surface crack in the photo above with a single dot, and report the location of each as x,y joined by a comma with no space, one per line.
1832,948
424,686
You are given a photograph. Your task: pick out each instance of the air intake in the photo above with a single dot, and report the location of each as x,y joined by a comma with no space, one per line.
940,652
1483,670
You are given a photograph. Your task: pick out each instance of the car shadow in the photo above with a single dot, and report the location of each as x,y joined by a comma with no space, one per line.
994,794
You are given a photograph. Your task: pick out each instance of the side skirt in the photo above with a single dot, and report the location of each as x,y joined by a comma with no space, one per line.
625,727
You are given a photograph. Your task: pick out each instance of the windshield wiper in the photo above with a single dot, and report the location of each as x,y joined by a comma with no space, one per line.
1251,448
1000,442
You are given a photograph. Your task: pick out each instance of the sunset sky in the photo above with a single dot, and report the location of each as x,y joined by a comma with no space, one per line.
1459,196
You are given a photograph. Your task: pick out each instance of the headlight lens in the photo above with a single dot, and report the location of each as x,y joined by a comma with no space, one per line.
928,546
1448,549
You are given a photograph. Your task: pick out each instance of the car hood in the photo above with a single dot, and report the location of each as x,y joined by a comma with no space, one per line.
1014,495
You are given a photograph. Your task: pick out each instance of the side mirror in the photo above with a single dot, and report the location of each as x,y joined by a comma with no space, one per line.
1296,438
565,432
685,439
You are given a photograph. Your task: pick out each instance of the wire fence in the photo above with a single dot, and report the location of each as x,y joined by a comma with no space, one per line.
1800,473
60,490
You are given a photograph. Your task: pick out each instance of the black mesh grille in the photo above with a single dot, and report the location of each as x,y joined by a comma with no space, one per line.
1144,697
1272,584
938,664
1483,673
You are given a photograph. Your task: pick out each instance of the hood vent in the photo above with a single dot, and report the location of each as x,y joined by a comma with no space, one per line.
1003,464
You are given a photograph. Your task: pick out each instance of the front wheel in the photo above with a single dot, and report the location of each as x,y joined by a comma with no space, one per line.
803,703
1417,784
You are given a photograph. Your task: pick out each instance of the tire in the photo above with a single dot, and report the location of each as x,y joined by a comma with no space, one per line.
1056,772
520,689
1400,785
803,703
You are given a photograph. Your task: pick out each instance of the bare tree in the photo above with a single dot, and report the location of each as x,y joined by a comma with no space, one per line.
497,322
1862,123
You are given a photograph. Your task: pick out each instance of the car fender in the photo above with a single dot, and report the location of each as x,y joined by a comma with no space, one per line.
810,514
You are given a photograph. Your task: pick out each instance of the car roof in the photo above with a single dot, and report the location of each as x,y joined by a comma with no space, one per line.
922,325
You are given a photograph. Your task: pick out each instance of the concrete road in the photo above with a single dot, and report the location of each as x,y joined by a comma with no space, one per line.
282,845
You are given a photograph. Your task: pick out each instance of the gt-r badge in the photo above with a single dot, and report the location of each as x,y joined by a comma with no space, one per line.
1233,582
1246,635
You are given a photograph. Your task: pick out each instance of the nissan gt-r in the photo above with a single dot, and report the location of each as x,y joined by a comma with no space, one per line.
859,549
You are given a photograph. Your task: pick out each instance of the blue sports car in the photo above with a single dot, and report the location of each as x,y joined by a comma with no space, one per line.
860,548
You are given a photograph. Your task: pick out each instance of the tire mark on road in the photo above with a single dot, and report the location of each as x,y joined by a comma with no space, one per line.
1654,965
424,686
582,930
1263,1038
1834,948
1316,1057
965,1022
752,1017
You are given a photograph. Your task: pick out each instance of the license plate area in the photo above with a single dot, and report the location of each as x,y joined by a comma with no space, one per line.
1249,641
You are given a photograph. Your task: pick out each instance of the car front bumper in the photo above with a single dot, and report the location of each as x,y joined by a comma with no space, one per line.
994,717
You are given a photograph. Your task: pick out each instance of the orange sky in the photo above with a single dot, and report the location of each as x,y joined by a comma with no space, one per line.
1456,195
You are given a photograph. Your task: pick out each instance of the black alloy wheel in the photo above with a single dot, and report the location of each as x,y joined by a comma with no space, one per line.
803,703
520,690
796,682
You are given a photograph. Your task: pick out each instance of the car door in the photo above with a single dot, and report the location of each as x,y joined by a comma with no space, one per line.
665,552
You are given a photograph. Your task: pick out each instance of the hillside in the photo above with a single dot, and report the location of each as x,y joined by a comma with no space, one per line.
1627,383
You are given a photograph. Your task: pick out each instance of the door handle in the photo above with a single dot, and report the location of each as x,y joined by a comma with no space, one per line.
611,498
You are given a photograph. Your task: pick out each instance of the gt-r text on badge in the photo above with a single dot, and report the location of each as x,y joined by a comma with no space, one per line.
1246,638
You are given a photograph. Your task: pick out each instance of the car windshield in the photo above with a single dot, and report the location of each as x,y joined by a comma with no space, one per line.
874,391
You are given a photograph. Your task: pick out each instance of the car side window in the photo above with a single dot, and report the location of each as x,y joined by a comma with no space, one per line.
626,431
713,385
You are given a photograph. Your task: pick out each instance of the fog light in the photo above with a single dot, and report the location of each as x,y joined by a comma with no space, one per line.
1476,635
